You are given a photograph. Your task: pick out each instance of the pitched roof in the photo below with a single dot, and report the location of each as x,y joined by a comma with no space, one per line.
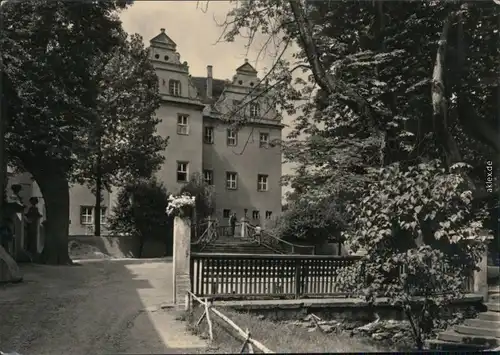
201,84
162,38
246,67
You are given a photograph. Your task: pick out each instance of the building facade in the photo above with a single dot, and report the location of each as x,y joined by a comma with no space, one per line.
242,162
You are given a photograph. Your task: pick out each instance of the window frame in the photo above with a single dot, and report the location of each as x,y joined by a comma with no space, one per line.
228,185
256,214
254,109
103,215
263,183
228,137
91,215
177,171
211,136
269,214
224,213
211,173
263,143
173,87
182,128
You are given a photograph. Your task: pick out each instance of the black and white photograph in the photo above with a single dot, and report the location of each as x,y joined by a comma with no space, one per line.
249,176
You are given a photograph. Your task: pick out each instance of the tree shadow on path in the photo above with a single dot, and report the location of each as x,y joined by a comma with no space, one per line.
101,307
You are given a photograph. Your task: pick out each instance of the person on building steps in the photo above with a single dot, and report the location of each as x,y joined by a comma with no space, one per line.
232,223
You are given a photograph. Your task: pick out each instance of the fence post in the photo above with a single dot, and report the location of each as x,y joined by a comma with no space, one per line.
181,258
481,276
187,302
244,222
298,282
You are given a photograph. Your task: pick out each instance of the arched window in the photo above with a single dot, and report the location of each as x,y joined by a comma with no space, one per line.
254,109
174,87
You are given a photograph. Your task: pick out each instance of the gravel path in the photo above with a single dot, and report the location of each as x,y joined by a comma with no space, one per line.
100,307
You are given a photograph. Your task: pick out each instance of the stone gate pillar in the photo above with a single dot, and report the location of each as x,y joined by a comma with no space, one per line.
481,278
181,259
481,275
244,227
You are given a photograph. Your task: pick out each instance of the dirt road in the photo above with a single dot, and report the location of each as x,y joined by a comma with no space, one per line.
100,307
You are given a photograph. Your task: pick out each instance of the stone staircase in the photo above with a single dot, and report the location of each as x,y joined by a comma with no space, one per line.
481,333
234,246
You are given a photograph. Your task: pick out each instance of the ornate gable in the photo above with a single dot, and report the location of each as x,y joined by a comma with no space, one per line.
246,68
162,40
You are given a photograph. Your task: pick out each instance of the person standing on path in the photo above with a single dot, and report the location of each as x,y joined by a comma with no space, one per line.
232,223
32,222
6,234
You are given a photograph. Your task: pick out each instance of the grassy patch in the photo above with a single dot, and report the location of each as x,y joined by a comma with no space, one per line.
281,337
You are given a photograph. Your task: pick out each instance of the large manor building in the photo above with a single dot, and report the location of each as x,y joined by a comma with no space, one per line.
243,163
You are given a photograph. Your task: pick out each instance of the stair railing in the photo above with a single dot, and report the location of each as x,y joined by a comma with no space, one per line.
277,244
209,235
197,230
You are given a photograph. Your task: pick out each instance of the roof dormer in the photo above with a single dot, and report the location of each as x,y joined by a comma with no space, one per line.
163,41
163,49
246,75
246,69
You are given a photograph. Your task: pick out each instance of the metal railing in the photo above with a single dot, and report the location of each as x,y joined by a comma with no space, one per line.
277,244
209,234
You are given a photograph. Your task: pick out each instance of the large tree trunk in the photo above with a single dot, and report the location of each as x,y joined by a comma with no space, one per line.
3,160
98,199
140,248
55,191
444,138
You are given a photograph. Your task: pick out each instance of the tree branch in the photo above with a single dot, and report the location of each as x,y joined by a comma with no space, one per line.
326,81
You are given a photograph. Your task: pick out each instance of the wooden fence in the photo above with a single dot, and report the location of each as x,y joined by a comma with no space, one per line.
272,276
248,341
249,275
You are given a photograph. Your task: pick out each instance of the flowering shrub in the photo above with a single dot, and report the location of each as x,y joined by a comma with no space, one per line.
422,238
179,205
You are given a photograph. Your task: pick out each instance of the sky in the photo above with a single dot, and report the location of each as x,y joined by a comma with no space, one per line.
196,32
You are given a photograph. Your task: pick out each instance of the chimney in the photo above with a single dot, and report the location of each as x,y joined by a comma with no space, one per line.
209,81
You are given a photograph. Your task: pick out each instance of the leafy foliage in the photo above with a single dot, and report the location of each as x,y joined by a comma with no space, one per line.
73,83
421,237
126,99
203,193
47,48
140,212
369,60
311,220
392,86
